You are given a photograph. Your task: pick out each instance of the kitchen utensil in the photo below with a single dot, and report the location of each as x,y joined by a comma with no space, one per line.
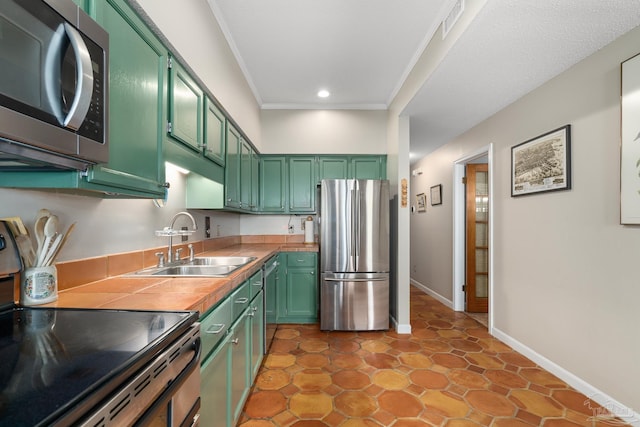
25,246
53,250
57,245
41,220
50,230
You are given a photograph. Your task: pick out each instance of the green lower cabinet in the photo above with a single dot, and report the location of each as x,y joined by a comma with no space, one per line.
256,314
297,292
240,365
214,376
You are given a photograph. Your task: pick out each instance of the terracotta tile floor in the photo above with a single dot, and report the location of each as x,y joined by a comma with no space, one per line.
448,372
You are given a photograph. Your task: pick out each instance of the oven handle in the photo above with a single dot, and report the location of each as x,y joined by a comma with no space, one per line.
173,387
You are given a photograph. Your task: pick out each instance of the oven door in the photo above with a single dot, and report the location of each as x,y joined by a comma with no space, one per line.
177,407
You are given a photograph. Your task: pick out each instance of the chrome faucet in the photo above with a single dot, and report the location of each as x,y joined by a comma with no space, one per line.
170,255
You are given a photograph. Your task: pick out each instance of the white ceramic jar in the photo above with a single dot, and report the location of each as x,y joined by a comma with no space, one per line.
39,285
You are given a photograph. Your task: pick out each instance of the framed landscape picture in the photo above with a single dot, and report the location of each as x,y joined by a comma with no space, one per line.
630,147
542,164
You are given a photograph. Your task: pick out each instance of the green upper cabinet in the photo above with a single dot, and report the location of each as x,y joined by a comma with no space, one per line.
273,184
255,181
332,168
302,184
246,154
186,106
214,133
232,168
368,167
137,82
195,127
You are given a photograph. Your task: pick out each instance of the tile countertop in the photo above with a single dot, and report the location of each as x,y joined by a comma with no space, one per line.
172,293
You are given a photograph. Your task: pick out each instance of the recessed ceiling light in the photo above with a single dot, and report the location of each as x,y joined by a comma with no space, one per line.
323,93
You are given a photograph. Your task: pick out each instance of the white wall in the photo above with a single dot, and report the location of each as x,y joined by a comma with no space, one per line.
324,132
193,30
106,226
565,279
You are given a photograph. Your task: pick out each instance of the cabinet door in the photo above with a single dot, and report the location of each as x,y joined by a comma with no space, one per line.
332,168
302,294
273,184
137,114
302,184
214,133
232,168
246,153
257,334
215,405
366,167
186,105
240,365
255,182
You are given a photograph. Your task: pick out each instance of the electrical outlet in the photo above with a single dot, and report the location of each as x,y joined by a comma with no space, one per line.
207,227
290,229
302,223
185,237
218,230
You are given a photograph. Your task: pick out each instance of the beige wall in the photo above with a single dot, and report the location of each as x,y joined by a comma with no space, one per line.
565,277
193,30
324,131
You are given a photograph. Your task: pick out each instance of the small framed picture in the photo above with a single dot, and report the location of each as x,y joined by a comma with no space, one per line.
542,164
436,195
421,201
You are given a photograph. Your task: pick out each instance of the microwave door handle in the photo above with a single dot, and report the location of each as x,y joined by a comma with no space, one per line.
84,77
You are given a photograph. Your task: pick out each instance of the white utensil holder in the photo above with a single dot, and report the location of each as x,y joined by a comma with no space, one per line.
39,285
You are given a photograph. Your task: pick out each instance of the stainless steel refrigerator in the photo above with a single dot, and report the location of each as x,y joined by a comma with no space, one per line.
354,254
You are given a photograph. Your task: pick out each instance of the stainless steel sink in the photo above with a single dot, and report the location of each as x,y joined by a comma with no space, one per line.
218,266
222,260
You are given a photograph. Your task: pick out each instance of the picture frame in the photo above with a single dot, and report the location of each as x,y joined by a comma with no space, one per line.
630,143
436,195
542,164
421,202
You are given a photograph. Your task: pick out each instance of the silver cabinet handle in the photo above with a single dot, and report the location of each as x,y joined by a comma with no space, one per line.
242,300
220,328
235,341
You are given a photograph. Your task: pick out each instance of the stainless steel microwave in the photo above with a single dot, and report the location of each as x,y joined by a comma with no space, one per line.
54,62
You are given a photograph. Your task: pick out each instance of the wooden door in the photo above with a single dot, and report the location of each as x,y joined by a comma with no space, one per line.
477,231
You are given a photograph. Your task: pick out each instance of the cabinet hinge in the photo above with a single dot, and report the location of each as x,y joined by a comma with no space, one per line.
169,127
464,180
464,288
169,62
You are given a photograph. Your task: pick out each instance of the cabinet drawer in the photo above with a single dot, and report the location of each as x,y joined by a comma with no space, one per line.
255,284
240,299
214,326
301,259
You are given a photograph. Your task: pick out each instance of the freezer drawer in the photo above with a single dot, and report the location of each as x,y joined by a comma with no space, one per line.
354,302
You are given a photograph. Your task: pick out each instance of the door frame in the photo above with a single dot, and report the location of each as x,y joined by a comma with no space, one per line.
459,225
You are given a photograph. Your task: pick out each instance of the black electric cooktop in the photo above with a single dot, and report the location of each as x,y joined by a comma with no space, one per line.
60,361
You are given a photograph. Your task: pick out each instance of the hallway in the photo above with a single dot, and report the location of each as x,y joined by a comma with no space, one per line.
448,372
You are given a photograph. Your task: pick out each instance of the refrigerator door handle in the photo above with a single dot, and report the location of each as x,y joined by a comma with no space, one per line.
364,279
357,221
354,233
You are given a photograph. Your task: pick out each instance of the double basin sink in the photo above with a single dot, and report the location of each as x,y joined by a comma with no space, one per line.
215,266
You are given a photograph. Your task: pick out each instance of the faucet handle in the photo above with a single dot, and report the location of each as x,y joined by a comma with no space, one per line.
160,256
191,252
178,251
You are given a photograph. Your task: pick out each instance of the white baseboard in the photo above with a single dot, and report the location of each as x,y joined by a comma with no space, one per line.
432,293
400,328
615,407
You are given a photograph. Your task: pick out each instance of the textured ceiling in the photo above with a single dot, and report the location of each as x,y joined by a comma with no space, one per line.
362,50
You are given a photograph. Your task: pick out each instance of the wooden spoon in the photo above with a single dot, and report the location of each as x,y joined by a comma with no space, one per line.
57,245
41,220
50,230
